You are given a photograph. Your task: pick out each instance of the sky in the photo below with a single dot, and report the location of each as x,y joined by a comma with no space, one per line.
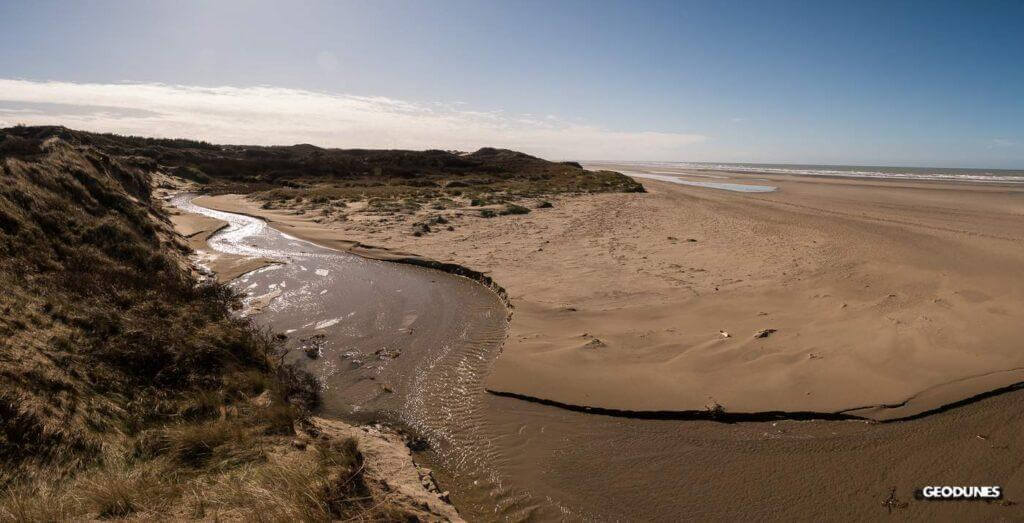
815,82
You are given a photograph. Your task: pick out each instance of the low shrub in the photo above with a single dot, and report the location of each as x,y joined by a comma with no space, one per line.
511,208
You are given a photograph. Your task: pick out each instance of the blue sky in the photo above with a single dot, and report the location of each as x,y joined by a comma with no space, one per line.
886,83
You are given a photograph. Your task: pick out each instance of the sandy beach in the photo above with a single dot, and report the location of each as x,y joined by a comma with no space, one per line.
872,298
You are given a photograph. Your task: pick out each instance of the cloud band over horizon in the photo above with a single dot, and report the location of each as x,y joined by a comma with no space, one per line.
283,116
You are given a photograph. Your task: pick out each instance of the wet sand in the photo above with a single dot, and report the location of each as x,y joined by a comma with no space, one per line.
606,468
519,460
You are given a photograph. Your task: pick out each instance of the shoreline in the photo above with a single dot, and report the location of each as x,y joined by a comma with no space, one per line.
994,179
935,397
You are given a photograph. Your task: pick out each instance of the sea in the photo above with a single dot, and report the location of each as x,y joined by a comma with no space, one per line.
1004,176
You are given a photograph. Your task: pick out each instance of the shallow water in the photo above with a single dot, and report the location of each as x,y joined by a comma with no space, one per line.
384,333
725,186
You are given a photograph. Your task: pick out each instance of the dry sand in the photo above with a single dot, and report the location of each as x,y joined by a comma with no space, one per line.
887,299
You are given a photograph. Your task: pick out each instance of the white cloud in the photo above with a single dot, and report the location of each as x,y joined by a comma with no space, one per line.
1002,142
272,115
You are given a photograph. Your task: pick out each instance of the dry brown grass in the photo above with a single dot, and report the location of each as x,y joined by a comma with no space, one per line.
126,389
322,483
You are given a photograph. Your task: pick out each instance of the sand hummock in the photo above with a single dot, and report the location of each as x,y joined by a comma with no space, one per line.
869,298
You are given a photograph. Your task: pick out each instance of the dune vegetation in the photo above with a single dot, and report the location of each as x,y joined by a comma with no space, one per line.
309,178
127,388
